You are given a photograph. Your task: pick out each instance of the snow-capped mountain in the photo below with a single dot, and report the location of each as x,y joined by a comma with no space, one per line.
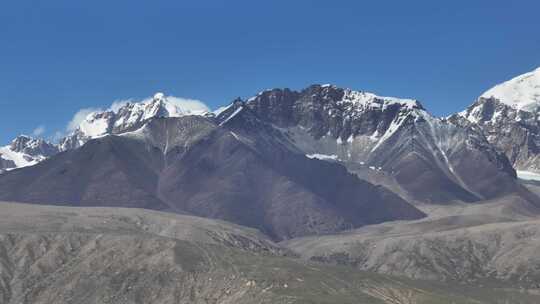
429,159
432,159
521,93
508,114
243,173
25,151
127,117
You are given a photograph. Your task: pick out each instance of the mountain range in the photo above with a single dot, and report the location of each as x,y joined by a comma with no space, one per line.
320,120
233,167
322,175
283,143
506,115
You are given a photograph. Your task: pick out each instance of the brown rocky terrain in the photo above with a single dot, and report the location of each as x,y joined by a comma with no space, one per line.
114,255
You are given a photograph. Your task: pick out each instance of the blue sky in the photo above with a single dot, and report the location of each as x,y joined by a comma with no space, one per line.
57,57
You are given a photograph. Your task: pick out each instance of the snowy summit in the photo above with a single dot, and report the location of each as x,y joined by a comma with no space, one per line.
129,116
521,92
158,96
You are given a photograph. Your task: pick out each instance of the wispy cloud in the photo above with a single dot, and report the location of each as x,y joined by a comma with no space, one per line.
57,136
187,104
79,117
192,105
38,131
117,104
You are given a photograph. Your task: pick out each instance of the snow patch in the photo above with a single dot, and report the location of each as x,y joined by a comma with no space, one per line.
20,159
222,109
322,156
159,96
232,115
521,93
370,100
93,126
394,126
528,175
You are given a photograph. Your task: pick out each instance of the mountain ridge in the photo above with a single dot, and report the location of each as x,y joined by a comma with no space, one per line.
508,114
385,134
363,130
195,165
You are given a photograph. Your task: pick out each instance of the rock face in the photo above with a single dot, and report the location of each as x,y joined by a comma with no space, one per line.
6,164
434,160
508,114
25,151
235,168
515,132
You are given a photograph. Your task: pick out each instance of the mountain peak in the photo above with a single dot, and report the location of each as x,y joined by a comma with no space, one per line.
521,92
334,94
368,99
22,141
508,115
25,151
159,96
22,138
363,99
130,116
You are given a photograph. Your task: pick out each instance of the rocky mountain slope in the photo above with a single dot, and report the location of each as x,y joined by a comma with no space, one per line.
276,147
330,172
112,255
363,131
433,160
25,151
508,114
240,169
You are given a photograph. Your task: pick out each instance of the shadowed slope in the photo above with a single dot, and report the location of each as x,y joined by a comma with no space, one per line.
248,175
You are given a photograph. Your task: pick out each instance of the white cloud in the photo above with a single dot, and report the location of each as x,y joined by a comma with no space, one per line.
192,105
186,104
57,136
79,117
38,131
